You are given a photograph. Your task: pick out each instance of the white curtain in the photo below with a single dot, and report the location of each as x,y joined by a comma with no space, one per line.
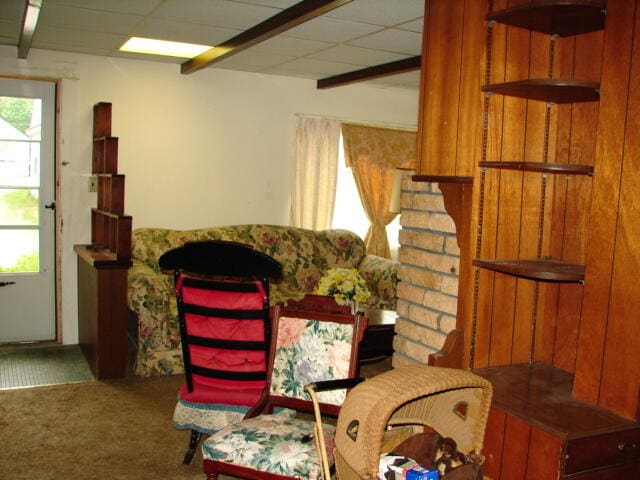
315,166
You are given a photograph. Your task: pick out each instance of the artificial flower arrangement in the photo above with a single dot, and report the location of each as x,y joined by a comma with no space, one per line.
345,285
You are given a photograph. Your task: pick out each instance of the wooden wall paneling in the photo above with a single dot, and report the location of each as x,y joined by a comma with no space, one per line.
516,446
545,454
486,223
472,64
510,198
532,213
441,82
494,443
621,361
605,199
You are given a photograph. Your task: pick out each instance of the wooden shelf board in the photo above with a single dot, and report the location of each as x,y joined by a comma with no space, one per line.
555,17
99,257
543,167
544,270
540,395
556,90
441,179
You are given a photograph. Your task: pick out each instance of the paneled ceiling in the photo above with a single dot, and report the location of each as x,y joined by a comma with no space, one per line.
352,37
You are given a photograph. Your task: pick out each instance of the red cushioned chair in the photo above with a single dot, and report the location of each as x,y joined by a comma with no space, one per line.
225,332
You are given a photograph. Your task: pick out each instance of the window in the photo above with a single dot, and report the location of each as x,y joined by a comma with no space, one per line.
348,212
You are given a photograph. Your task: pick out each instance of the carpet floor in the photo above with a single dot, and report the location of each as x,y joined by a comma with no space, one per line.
117,429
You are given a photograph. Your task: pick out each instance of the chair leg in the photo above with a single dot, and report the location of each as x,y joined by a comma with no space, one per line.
193,444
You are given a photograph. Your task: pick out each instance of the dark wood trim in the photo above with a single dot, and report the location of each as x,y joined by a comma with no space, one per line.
29,22
451,353
543,270
442,179
544,167
555,17
556,90
386,69
285,20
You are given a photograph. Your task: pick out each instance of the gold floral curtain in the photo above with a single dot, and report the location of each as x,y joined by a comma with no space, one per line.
373,154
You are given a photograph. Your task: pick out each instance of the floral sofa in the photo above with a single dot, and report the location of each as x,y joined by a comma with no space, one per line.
305,255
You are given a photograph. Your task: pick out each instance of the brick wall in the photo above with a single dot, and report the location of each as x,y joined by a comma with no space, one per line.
428,280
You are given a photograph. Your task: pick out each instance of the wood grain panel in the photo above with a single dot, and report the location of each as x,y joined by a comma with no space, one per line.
516,438
605,198
509,198
531,212
494,443
623,337
469,132
441,79
545,453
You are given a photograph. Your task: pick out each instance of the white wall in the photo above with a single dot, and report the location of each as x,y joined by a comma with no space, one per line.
205,149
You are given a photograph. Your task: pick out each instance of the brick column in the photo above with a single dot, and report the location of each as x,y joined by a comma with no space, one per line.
427,275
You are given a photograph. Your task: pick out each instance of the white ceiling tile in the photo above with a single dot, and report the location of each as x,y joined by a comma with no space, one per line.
76,39
9,32
357,55
392,40
137,7
184,32
221,13
82,19
296,47
282,72
331,29
348,38
270,3
255,59
320,67
380,12
413,26
12,10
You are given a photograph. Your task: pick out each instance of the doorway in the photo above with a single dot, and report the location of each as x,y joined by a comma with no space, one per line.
27,211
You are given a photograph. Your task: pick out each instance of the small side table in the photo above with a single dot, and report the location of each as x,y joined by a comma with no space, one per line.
378,337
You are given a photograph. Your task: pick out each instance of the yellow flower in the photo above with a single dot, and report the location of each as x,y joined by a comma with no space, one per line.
344,285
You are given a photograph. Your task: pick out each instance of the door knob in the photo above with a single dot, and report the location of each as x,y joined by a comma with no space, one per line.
51,206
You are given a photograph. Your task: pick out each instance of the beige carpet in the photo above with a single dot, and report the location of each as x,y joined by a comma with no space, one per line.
116,430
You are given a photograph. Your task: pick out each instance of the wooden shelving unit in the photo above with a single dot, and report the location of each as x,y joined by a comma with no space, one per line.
542,167
103,265
542,270
555,18
556,90
547,131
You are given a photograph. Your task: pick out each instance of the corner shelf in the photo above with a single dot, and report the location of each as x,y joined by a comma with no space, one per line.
555,17
542,270
556,90
568,168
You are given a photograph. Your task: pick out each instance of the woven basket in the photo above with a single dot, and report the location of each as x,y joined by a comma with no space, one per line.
453,402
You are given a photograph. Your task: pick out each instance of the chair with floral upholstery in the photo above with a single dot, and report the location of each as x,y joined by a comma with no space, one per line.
225,332
307,347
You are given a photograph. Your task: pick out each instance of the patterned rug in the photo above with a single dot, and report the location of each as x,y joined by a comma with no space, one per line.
28,365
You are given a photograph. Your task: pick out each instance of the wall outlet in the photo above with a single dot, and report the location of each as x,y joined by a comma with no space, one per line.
93,183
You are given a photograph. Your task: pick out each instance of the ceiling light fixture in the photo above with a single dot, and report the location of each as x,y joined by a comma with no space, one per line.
163,47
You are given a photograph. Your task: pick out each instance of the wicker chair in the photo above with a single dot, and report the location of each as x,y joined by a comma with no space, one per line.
453,402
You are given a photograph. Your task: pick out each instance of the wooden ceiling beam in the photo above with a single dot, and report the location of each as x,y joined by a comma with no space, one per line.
285,20
29,22
392,68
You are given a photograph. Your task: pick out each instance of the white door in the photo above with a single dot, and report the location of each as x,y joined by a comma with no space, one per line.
27,216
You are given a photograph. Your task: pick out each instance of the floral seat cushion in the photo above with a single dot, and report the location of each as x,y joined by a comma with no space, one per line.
272,443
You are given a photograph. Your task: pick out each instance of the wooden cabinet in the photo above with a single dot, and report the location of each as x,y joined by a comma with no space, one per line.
103,265
549,247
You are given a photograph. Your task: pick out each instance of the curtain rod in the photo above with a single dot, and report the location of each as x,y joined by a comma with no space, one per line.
409,128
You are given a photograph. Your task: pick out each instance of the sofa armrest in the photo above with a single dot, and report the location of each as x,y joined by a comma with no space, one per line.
382,278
